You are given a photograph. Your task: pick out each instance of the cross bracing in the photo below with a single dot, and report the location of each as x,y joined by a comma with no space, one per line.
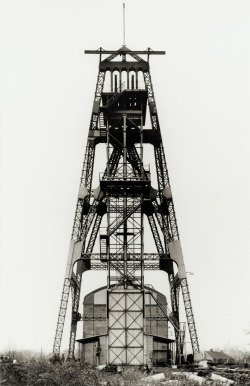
115,214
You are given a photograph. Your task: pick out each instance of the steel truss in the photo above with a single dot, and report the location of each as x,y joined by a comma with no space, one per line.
124,197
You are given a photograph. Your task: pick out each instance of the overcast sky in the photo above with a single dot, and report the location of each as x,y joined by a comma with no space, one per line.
202,91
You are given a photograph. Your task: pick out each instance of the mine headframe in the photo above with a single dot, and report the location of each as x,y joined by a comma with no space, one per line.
123,198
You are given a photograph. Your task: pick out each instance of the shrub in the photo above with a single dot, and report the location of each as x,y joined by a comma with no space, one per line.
43,372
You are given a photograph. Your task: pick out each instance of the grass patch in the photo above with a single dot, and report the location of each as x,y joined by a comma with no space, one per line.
44,372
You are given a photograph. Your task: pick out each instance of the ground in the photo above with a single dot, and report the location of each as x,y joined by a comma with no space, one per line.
45,372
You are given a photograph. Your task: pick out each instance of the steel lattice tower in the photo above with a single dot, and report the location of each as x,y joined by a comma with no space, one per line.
118,208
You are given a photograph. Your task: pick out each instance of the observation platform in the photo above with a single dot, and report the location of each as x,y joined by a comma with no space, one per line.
131,102
134,186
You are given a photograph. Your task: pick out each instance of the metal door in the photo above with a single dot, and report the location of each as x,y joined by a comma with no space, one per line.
125,327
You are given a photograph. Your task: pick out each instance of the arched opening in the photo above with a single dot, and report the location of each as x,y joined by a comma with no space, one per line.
141,83
107,83
116,81
132,80
124,81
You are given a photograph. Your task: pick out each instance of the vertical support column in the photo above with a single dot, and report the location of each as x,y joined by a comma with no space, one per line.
142,257
141,145
142,218
108,225
125,198
108,198
107,149
115,90
111,81
127,79
125,240
136,80
124,146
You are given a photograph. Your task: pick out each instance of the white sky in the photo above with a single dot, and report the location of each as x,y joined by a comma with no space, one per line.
202,90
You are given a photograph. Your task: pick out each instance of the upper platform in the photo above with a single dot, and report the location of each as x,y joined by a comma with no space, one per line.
123,89
137,63
130,102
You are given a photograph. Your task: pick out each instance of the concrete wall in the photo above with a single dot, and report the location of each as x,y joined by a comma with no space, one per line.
95,324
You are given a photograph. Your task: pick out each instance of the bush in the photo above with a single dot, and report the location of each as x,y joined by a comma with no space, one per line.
15,374
43,372
47,372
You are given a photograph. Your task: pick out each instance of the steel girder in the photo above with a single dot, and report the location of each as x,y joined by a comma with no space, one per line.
135,266
82,205
61,316
133,257
156,235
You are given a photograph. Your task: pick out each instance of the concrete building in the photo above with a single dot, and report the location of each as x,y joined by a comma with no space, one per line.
94,347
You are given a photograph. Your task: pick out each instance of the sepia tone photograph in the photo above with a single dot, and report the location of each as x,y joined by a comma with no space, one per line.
125,192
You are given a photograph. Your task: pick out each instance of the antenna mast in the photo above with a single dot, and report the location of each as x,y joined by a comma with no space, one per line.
123,24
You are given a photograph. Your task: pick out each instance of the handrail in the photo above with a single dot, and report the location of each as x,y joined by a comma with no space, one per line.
117,93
